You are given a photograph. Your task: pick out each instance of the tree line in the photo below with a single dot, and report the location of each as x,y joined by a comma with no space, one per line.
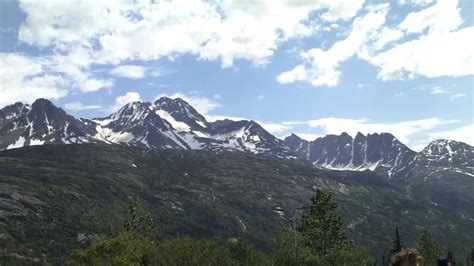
317,238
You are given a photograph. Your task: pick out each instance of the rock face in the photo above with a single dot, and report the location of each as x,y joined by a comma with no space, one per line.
41,123
380,152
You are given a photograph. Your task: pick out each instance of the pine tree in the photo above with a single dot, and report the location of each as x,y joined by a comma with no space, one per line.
428,248
397,243
322,226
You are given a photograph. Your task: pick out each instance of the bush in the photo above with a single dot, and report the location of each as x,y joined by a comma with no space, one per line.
125,249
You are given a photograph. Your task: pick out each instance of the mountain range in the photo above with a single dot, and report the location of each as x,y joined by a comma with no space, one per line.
217,179
174,124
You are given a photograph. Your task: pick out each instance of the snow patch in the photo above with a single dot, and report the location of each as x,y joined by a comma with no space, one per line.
17,144
178,125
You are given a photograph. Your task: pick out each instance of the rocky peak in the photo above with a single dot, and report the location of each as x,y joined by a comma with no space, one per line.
12,112
448,153
181,111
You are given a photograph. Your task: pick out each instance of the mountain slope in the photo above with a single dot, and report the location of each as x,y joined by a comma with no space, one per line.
52,194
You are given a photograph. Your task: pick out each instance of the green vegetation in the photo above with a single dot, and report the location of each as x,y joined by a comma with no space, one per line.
319,240
124,249
55,199
428,248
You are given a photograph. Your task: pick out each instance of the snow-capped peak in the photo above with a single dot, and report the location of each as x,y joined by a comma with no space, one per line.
181,111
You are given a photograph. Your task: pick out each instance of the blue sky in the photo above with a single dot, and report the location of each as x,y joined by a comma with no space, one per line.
308,67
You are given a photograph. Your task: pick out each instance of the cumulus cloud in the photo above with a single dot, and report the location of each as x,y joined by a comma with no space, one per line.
80,106
321,67
463,134
223,30
441,49
442,17
23,79
76,38
433,55
122,100
428,43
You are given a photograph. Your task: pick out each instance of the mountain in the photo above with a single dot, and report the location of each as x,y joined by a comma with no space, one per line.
175,124
166,124
382,153
441,173
41,123
54,196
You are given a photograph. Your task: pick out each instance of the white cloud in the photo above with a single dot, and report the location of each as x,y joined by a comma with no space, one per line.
76,37
129,71
439,51
90,85
438,90
137,71
415,2
122,100
221,30
442,17
442,91
23,79
260,97
386,36
202,104
457,96
274,128
80,106
464,134
435,47
321,67
342,9
434,55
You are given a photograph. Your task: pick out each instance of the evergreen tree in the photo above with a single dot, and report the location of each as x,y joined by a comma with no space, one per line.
397,243
139,222
322,227
428,248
